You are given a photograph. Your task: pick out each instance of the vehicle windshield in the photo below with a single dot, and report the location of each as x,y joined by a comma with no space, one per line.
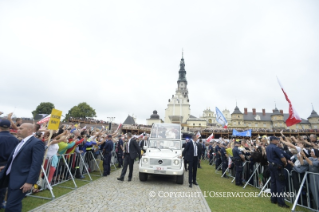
164,144
166,131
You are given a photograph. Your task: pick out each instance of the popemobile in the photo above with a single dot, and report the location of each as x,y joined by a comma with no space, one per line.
163,153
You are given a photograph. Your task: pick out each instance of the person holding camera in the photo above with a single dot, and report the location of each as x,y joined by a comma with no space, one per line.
277,163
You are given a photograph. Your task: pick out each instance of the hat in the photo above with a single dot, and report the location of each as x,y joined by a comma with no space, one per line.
274,138
237,141
5,123
109,136
224,144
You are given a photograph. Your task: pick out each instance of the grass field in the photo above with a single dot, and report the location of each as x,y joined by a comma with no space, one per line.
209,181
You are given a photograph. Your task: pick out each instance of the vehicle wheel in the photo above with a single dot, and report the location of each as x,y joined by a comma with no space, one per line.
180,179
142,176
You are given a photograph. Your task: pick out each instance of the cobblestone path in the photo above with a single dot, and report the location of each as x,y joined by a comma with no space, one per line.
158,193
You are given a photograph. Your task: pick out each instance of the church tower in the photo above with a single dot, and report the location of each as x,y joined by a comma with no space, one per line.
178,107
182,82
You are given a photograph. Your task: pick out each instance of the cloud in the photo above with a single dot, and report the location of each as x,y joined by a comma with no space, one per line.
123,57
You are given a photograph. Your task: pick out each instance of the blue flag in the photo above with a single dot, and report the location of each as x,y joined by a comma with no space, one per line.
246,133
220,118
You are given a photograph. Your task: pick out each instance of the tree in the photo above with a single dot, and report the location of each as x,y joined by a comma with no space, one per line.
82,110
43,108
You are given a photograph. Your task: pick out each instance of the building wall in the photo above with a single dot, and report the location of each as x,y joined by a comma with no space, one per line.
180,109
153,121
196,123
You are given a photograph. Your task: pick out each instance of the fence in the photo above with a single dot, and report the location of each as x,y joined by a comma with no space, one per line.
68,167
303,186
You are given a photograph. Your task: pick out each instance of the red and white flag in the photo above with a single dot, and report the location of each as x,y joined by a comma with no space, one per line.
293,118
45,119
118,127
210,137
198,135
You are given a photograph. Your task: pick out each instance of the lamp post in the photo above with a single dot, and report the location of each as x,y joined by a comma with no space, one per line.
110,119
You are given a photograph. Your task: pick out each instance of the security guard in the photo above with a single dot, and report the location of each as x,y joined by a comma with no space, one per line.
224,157
107,154
217,153
277,162
238,158
7,145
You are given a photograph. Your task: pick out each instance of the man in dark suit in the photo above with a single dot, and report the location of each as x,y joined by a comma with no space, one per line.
183,154
23,168
107,149
7,144
191,155
131,151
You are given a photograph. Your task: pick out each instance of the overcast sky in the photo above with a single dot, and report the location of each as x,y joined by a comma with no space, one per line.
122,57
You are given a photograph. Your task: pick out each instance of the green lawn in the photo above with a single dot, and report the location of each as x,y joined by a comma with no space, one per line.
209,181
30,203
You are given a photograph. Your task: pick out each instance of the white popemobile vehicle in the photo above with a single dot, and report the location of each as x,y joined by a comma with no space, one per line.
163,153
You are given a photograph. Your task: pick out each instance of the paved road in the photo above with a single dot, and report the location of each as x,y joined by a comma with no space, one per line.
159,193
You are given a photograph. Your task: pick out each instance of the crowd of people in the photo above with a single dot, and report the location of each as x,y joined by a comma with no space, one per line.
281,158
258,130
57,151
41,146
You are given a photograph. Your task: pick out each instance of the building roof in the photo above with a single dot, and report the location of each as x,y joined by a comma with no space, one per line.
267,117
276,112
313,114
193,117
182,72
237,111
154,115
129,120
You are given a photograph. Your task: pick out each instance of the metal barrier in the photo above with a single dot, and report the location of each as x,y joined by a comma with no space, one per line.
63,172
219,167
243,172
44,182
310,182
305,186
91,163
66,167
113,158
228,172
287,198
255,174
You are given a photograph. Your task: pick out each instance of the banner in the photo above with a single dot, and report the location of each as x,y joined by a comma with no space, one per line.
55,119
220,118
246,133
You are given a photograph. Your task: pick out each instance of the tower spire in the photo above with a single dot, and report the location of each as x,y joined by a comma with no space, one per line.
182,53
